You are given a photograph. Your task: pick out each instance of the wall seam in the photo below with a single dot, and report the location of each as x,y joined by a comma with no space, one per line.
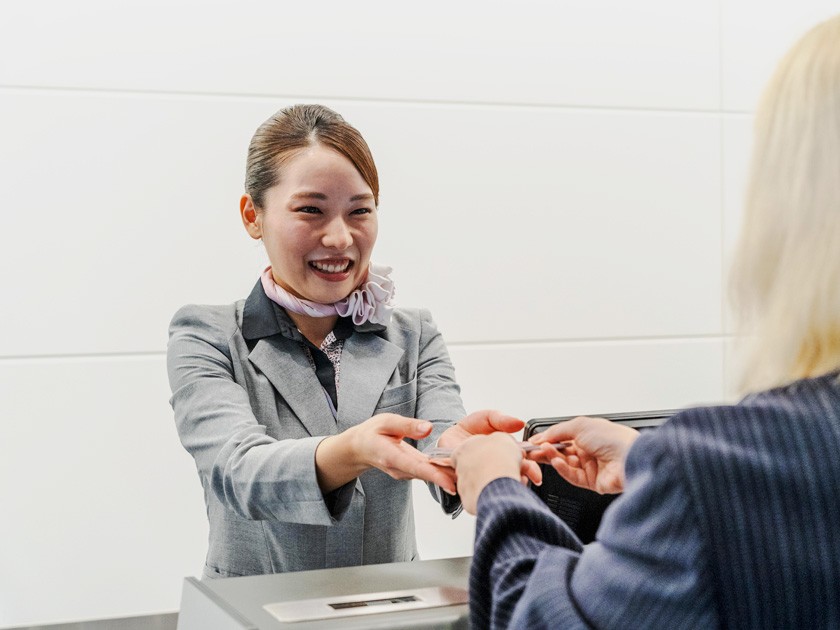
234,96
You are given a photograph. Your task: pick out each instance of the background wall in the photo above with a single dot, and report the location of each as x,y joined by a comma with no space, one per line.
561,183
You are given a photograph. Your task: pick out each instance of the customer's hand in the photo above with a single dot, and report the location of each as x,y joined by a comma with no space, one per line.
595,459
482,459
378,443
485,422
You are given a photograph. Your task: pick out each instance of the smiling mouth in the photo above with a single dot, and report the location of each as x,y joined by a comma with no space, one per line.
331,266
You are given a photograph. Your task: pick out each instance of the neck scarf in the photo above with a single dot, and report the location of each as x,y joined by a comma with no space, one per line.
370,302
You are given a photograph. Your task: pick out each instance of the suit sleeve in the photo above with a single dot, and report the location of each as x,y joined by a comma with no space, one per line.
438,394
438,398
646,569
250,472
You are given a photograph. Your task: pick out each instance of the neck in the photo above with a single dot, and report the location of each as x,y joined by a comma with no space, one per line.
315,329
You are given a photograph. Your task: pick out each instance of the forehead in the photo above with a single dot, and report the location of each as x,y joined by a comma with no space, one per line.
319,167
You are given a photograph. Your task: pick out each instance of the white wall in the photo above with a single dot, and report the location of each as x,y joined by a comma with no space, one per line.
561,185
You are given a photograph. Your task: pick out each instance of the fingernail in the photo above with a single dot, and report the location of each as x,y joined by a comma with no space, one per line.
424,425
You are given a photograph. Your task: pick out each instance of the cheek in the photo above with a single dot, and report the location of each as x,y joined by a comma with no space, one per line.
284,237
370,235
282,250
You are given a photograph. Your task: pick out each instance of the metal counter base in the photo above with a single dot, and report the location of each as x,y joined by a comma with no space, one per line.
422,594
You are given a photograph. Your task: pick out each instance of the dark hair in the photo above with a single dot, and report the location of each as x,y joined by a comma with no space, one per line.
293,128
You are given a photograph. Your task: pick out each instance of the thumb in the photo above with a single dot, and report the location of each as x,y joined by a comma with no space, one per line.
421,428
559,432
400,426
490,421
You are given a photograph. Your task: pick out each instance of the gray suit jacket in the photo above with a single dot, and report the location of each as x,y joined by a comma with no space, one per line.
251,411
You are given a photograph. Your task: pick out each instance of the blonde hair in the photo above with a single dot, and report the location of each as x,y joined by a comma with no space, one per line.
786,274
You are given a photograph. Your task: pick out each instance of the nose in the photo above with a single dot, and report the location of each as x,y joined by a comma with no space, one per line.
337,235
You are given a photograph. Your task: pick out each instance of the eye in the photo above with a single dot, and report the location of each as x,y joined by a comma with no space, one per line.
362,211
309,210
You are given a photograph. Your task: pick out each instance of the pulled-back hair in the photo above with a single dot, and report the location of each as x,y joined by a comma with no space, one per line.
294,128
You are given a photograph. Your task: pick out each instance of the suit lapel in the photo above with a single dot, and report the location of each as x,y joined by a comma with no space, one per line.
367,363
289,371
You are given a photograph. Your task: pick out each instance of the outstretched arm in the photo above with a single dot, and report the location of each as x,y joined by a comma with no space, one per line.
485,422
378,443
648,567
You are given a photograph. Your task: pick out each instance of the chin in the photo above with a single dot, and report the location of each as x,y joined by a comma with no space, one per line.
326,292
328,297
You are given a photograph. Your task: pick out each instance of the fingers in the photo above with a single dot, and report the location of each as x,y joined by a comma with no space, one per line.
481,459
400,426
402,461
563,469
532,472
490,421
503,422
560,432
441,476
574,474
547,452
420,429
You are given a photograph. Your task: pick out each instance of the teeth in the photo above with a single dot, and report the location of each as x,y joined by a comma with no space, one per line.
331,267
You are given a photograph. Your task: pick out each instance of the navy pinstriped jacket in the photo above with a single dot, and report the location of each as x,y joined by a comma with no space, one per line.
730,518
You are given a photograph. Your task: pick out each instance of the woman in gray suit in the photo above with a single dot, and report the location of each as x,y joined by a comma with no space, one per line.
307,405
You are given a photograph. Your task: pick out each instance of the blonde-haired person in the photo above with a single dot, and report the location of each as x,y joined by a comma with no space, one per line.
306,405
729,515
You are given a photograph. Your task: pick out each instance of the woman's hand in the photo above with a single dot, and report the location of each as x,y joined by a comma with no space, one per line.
378,443
479,423
595,460
482,459
485,422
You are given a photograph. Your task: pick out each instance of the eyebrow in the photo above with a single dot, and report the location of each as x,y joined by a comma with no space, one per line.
323,197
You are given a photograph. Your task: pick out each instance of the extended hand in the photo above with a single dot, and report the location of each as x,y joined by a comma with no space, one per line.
485,422
378,443
595,460
482,459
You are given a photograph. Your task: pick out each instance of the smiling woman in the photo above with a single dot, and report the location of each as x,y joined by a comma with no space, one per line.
318,225
318,221
307,405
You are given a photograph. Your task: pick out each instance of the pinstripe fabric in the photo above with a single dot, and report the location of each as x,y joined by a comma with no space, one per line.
730,518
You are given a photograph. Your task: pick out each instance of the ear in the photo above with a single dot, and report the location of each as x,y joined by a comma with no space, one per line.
250,216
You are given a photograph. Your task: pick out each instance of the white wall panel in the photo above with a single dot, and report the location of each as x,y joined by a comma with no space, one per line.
118,210
651,53
127,208
103,512
544,380
531,223
439,535
755,34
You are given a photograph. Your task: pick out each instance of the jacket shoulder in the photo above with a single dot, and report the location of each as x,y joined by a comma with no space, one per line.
801,403
214,321
410,318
